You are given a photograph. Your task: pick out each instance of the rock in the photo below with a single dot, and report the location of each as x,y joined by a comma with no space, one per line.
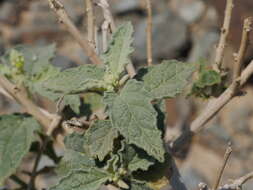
8,12
169,36
189,10
121,7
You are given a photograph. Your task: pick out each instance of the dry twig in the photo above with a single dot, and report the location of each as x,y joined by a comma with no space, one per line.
215,105
221,171
149,32
21,96
107,14
212,108
72,29
224,34
105,27
90,23
237,184
243,48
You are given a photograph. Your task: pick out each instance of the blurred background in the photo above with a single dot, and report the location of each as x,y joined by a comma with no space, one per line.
186,30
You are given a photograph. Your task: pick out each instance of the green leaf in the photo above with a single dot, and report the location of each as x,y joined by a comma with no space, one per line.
16,136
132,113
209,83
77,171
208,78
83,180
136,159
93,101
119,50
35,85
74,161
167,79
75,142
76,80
100,138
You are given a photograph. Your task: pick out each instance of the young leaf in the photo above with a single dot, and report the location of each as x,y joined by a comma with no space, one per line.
76,80
167,79
132,113
209,83
36,58
113,164
16,136
100,138
120,48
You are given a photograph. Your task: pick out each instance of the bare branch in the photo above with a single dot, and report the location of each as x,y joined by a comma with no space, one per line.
221,171
149,32
237,184
72,29
246,73
243,48
212,108
105,27
224,34
217,104
244,179
90,23
21,96
107,14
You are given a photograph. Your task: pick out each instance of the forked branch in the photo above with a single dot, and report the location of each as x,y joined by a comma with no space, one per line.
21,96
221,171
224,34
247,27
72,29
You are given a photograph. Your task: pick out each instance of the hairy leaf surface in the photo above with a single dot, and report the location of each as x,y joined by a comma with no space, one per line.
75,142
16,136
74,161
76,80
79,171
167,79
132,113
117,56
82,179
100,138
